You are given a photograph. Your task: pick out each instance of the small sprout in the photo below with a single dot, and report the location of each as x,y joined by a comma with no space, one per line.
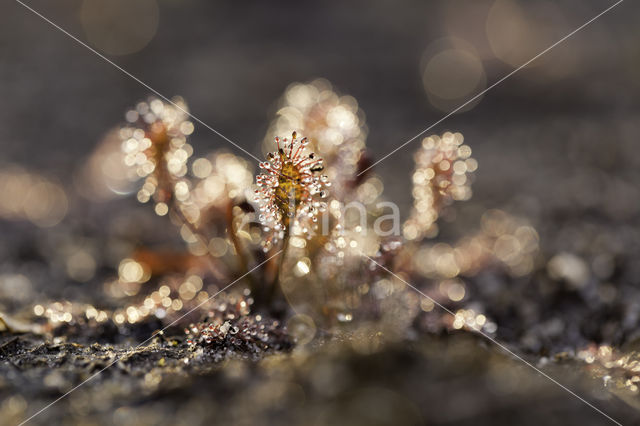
289,192
155,143
442,175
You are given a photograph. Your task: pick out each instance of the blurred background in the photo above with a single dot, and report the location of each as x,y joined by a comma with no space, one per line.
557,143
560,134
406,65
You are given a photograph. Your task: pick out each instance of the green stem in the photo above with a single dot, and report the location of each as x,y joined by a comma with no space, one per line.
275,284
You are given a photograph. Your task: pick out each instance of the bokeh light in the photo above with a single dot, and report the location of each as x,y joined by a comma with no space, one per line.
119,27
30,196
451,77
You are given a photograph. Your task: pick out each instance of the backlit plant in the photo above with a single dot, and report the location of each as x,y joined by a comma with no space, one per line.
291,233
290,192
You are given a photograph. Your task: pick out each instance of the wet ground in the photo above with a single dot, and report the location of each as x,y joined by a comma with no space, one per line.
557,146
